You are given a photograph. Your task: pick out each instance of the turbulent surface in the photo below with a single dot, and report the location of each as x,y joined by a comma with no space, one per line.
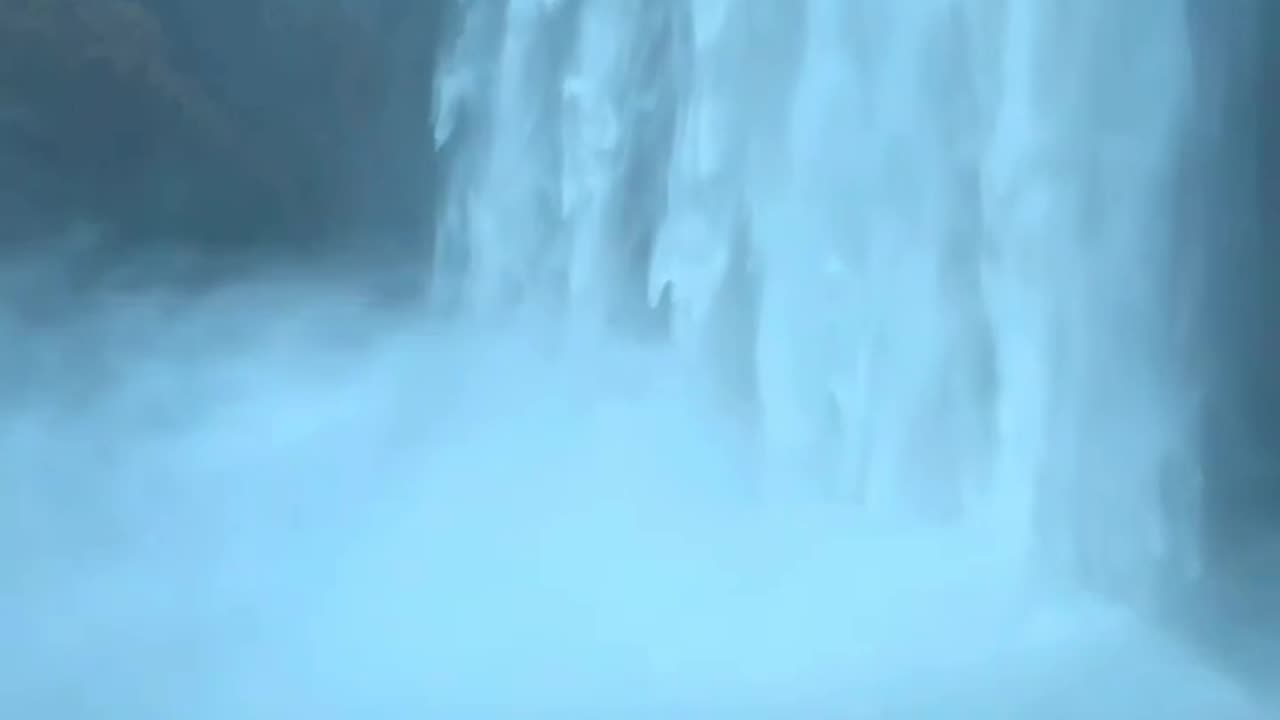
261,522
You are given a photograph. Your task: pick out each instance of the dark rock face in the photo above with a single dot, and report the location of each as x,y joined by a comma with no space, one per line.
1233,217
219,121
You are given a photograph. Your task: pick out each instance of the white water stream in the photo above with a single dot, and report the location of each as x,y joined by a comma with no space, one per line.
935,232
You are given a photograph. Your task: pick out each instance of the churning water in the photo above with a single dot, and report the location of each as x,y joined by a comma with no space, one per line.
808,358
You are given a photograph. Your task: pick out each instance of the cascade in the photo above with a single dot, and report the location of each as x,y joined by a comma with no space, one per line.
951,218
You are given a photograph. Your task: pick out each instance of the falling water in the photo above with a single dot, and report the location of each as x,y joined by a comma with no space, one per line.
945,221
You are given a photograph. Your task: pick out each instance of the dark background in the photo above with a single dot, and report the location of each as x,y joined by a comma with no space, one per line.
1233,215
232,126
237,132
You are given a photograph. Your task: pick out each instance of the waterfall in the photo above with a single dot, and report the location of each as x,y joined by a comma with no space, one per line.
946,223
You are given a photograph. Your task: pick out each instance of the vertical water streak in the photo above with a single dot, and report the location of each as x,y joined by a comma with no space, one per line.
497,245
695,240
1093,409
610,107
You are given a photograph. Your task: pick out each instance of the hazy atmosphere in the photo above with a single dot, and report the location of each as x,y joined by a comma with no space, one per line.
639,358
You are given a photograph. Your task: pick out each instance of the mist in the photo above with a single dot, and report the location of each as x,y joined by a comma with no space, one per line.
276,500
